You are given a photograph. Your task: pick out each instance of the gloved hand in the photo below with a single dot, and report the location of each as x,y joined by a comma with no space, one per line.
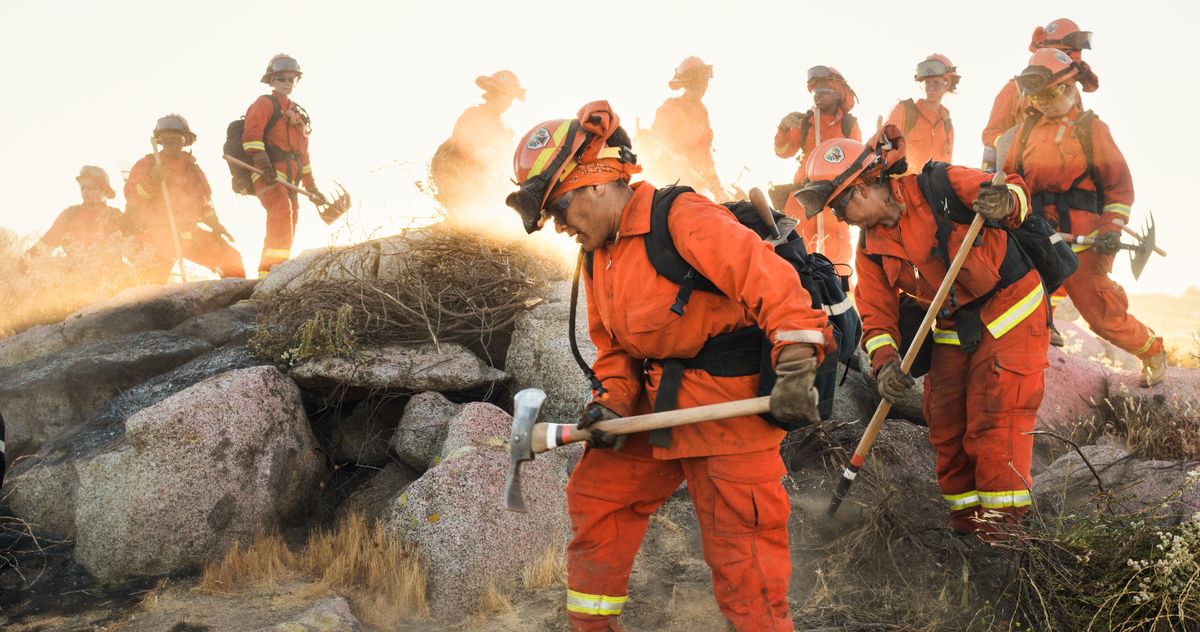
158,173
793,397
792,121
317,197
892,382
994,202
263,162
592,413
1107,243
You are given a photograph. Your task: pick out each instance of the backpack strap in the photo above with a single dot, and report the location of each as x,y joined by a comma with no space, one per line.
1083,131
665,257
848,122
805,127
276,114
1032,116
910,115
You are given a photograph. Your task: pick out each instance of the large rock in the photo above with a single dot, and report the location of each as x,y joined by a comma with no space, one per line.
540,354
233,325
422,429
378,259
397,368
455,516
476,425
44,396
226,459
363,437
42,487
331,614
372,500
34,342
1129,484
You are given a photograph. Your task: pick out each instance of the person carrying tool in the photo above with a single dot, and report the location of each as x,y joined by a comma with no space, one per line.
148,217
926,122
1010,106
1081,183
577,171
799,132
275,138
678,145
984,384
84,226
468,169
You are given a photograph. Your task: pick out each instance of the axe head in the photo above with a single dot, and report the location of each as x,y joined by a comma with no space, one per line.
1145,249
526,406
336,207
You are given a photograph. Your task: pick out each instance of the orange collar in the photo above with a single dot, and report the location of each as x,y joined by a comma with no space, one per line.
635,217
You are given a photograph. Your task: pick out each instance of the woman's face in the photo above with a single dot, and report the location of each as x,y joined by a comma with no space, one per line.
935,88
1056,101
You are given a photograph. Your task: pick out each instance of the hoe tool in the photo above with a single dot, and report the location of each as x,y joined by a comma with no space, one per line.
329,210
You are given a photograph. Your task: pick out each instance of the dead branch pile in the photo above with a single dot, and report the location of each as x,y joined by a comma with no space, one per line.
453,286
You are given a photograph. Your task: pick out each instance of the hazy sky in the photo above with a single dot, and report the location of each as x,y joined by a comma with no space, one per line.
385,81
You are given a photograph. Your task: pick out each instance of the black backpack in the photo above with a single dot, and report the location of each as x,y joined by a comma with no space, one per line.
747,351
241,183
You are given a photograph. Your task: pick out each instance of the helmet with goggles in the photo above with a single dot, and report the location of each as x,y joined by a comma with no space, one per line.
690,71
838,164
281,64
1062,34
938,65
174,123
1047,69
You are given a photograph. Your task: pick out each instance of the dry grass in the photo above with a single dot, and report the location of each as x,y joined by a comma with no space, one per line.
494,601
1185,355
547,572
362,562
1163,428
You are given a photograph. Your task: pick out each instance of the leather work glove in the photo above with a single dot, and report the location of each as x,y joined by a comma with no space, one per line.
994,202
592,413
892,382
158,173
1107,243
263,162
317,197
792,121
793,398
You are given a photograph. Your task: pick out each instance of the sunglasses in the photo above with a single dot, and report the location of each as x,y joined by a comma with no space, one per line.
838,204
284,79
1048,96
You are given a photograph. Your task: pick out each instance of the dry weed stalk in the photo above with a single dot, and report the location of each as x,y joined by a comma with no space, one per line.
264,562
548,571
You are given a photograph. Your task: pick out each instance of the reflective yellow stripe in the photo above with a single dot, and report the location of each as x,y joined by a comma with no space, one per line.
256,145
1055,301
279,175
963,500
595,604
277,253
1081,247
1119,209
879,341
306,169
1017,313
548,153
945,337
1001,500
142,192
1145,347
1022,201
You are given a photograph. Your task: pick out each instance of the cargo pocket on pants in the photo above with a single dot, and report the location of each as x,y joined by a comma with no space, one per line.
749,496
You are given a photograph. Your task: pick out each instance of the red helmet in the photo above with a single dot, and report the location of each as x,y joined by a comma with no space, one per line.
96,175
175,123
691,70
938,65
1047,68
281,64
503,82
1062,34
839,163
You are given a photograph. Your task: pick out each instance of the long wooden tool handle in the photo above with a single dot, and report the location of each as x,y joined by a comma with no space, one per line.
235,161
1159,251
549,435
170,214
759,200
914,349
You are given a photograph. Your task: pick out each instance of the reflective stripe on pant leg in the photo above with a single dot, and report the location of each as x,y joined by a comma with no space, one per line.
595,604
277,243
946,411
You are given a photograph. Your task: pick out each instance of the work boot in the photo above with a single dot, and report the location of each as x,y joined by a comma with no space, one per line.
1154,369
1056,339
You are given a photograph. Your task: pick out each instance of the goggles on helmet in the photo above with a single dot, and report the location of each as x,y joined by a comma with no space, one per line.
838,204
534,192
1048,96
822,72
1037,79
1079,40
932,68
283,64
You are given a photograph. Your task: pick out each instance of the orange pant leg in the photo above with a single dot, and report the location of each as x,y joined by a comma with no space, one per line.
214,253
610,498
1103,304
743,513
946,412
283,210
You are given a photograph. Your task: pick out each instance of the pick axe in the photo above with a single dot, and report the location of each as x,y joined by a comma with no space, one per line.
1139,253
530,438
329,210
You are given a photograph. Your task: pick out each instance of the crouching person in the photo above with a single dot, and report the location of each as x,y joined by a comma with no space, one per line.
990,340
650,358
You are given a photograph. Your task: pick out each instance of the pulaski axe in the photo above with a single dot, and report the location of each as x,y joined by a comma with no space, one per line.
530,438
1139,253
329,210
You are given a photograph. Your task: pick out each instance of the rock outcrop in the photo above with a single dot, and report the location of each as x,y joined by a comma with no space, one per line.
540,354
397,369
422,429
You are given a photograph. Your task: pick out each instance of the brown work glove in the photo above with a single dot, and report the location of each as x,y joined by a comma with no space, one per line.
893,383
994,202
792,121
793,398
1107,243
592,413
263,162
317,197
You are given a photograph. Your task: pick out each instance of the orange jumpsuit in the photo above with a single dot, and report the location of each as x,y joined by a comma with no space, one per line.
287,142
191,204
80,227
1007,110
787,143
679,146
732,466
931,135
468,171
1052,160
979,404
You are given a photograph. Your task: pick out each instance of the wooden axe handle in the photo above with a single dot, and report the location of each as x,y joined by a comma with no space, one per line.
547,436
252,168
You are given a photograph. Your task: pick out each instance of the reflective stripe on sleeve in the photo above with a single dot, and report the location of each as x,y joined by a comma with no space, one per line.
810,336
964,500
595,604
142,192
839,308
1017,313
1120,209
254,145
1022,201
874,343
1004,499
306,169
1056,300
945,337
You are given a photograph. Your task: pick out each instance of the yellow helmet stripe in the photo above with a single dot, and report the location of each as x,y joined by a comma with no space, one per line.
548,153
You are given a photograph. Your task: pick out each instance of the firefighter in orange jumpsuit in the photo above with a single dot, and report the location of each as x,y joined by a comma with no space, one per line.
832,101
985,381
190,202
1081,183
83,226
577,172
275,137
469,170
1009,107
926,122
678,145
